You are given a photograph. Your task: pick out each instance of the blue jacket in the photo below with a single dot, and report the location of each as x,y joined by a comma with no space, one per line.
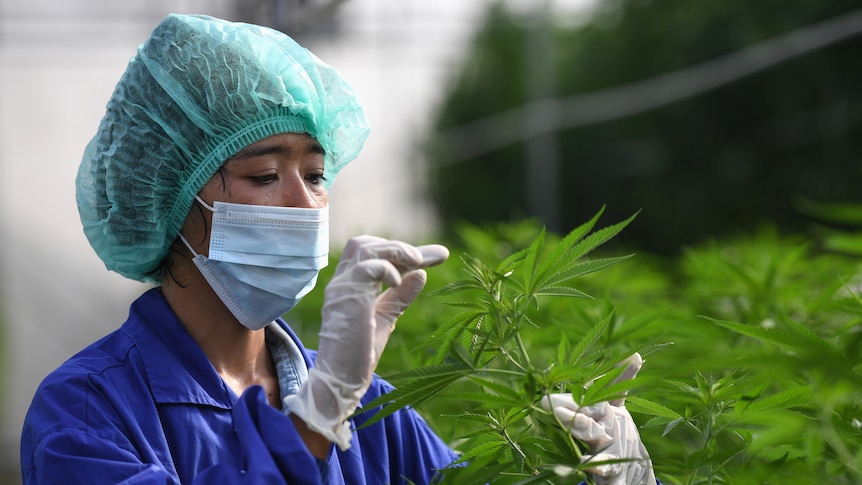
144,405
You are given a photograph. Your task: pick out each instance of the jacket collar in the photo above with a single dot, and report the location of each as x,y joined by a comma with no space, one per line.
177,368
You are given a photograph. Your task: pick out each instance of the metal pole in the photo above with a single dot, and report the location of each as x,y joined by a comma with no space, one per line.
542,163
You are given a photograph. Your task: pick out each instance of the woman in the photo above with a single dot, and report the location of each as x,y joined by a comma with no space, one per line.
208,176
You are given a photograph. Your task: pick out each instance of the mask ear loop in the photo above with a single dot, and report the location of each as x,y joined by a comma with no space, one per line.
201,201
183,238
189,246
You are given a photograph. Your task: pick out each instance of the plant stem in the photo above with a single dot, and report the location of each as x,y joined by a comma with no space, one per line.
523,350
517,448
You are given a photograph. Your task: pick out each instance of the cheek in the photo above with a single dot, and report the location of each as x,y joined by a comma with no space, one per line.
196,229
322,199
215,189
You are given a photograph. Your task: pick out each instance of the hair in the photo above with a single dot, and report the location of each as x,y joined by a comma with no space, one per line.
178,249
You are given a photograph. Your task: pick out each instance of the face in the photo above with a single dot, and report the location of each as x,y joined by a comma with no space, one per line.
283,170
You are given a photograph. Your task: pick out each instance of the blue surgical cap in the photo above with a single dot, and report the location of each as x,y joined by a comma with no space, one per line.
198,91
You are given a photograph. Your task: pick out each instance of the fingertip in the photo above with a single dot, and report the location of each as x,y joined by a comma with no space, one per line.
433,254
415,278
566,415
563,400
604,470
412,283
596,411
635,360
380,270
633,364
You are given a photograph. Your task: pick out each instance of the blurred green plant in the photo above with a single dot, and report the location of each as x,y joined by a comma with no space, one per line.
840,224
752,346
763,379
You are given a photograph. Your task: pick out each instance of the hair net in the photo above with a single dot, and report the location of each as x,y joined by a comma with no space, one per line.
198,91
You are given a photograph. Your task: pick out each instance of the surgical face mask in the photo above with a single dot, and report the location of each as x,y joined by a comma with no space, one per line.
262,259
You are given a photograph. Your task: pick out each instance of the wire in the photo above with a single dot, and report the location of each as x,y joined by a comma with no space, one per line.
506,128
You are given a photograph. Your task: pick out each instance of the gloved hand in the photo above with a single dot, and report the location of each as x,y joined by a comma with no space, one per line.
357,321
610,432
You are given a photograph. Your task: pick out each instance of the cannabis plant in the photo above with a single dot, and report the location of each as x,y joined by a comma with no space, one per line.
484,357
775,396
752,346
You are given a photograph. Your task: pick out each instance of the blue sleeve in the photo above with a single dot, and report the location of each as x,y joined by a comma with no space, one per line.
272,454
75,454
71,436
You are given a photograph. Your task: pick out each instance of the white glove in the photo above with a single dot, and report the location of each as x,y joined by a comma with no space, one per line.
357,321
610,432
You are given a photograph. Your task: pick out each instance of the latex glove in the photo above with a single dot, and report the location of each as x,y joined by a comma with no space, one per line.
357,322
610,432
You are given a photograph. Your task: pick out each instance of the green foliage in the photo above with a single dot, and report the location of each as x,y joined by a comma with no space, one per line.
762,384
752,348
482,353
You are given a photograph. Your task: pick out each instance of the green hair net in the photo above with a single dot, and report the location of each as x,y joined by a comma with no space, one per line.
198,91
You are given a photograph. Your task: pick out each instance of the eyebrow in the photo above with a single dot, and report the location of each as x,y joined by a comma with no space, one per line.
257,150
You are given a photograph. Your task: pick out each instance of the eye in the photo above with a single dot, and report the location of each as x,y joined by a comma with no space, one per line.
316,178
264,179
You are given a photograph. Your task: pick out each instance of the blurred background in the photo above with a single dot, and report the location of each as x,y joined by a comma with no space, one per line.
712,118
